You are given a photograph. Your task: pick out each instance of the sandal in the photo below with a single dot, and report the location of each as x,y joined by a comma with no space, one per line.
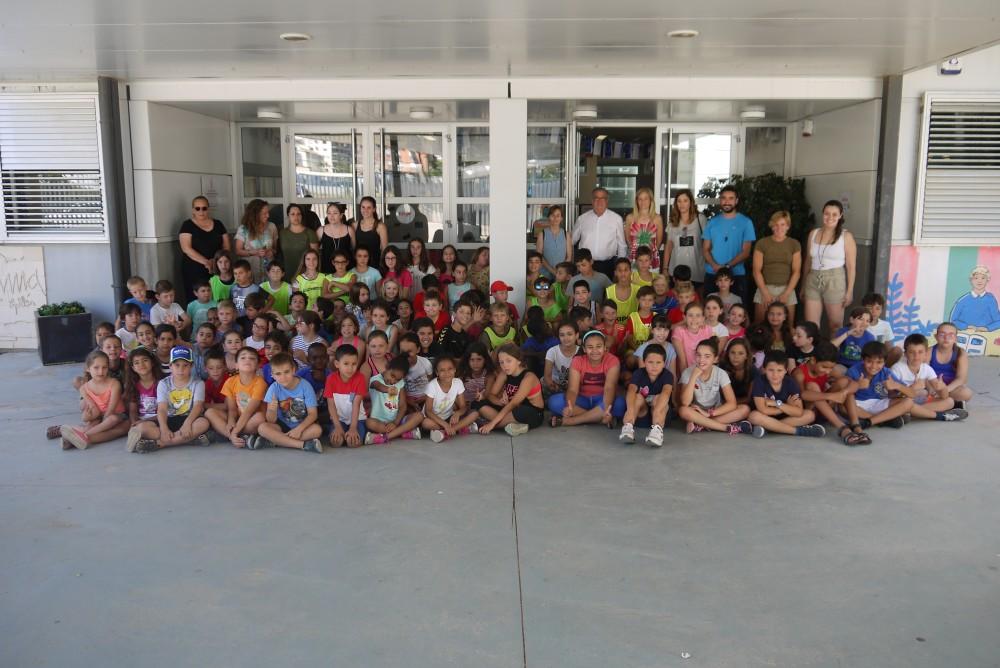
852,437
53,432
555,421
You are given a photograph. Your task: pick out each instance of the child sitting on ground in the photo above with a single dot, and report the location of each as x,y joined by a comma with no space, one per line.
648,397
290,420
851,340
815,377
951,364
179,405
590,395
706,399
613,331
665,299
659,333
477,370
419,374
582,298
389,418
872,381
142,374
500,330
685,295
102,411
737,361
777,402
345,392
929,394
445,411
240,416
558,360
514,401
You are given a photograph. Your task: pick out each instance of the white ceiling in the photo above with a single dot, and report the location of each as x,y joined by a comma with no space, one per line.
66,40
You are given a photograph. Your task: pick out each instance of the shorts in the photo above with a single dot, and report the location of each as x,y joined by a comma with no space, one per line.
524,413
776,290
826,285
557,402
873,406
175,422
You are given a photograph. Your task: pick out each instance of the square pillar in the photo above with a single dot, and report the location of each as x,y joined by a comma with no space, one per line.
509,194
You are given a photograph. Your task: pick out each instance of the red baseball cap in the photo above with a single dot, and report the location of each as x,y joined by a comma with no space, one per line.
497,286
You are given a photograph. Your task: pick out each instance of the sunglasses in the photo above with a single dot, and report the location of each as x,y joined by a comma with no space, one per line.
201,208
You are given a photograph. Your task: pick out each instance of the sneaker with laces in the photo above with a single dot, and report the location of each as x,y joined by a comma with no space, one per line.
693,428
379,439
250,441
146,445
75,436
413,435
260,442
313,445
953,414
134,435
628,433
200,440
895,423
814,430
655,437
748,428
438,435
516,429
214,436
370,437
472,428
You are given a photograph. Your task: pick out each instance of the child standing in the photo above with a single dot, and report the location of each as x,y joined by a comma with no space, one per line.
685,295
138,289
238,419
290,421
222,277
534,271
145,334
851,340
460,285
929,394
389,418
687,336
778,402
242,286
648,395
543,299
363,271
643,274
345,392
500,292
871,381
706,398
514,401
590,394
338,284
102,412
313,283
951,364
582,299
197,310
179,406
279,292
597,281
445,412
614,331
664,300
724,285
166,310
561,289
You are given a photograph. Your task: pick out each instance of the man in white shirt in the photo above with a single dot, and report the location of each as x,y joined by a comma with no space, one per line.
602,232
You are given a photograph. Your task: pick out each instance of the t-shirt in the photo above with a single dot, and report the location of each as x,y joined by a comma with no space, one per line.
592,378
129,340
293,402
728,236
906,375
560,364
882,331
198,312
371,277
418,376
281,295
850,348
728,300
344,392
671,351
707,393
647,388
876,387
385,405
539,346
213,391
179,400
444,402
687,340
220,288
455,292
312,288
341,282
777,267
244,394
158,314
598,283
762,388
146,400
454,342
742,387
146,307
294,245
249,342
239,295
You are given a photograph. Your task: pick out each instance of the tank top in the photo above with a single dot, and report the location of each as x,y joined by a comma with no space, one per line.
945,370
643,233
553,247
103,399
822,382
640,330
826,256
371,241
496,340
372,367
329,245
513,384
312,288
624,306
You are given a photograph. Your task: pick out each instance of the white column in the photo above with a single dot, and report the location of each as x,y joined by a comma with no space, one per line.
509,194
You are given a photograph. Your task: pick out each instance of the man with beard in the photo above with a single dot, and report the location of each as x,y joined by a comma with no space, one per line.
726,242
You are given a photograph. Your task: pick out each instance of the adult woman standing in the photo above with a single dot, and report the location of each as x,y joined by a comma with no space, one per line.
644,227
371,232
295,239
829,268
684,237
334,235
777,265
201,237
257,237
552,242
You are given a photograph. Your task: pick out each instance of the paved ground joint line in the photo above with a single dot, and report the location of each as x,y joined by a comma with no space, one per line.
517,550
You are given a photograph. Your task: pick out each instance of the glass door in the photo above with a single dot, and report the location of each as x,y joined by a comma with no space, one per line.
328,166
411,183
687,157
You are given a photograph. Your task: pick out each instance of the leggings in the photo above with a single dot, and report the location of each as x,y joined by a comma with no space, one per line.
557,402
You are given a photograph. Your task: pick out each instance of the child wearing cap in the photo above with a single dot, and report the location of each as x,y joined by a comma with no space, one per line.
500,292
180,400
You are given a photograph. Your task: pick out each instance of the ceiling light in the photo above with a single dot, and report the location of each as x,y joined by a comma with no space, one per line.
585,111
686,33
753,113
296,36
270,113
421,113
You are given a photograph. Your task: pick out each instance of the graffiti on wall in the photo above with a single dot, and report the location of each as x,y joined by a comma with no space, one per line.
930,285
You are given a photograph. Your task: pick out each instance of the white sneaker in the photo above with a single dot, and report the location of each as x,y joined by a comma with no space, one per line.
369,438
437,435
415,434
473,428
134,434
516,429
655,438
628,433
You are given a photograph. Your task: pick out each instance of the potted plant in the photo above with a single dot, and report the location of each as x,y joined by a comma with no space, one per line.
64,332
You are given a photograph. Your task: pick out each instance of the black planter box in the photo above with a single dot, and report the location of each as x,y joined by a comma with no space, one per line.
64,338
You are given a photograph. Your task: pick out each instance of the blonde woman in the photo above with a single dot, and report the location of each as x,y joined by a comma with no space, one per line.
644,227
684,237
777,266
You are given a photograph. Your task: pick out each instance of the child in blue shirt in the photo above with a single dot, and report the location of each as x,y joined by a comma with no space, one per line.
290,421
872,381
851,340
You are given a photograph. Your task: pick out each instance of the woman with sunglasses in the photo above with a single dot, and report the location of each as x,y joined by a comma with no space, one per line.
201,237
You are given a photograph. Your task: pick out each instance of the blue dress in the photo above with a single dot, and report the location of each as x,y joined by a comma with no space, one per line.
553,248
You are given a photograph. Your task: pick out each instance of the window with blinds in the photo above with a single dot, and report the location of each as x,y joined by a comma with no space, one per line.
958,194
50,168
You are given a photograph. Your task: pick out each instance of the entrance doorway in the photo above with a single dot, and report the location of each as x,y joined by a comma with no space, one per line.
619,159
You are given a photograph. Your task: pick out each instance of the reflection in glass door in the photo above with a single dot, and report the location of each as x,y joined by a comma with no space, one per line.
410,184
688,159
329,167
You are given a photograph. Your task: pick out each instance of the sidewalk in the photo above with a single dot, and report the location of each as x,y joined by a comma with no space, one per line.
560,548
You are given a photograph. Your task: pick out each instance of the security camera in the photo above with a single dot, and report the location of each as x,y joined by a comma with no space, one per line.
951,67
807,128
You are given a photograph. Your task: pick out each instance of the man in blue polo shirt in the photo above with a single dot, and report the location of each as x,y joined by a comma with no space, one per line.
726,242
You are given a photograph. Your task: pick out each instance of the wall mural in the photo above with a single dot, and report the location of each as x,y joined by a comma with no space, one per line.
932,284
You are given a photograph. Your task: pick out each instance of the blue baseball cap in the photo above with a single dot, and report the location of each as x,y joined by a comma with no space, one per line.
181,353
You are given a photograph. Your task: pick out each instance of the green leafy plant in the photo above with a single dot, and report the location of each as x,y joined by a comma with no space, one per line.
760,196
62,308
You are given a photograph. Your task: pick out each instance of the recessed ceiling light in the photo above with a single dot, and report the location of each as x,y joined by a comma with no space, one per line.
421,113
270,113
585,111
753,113
686,33
296,36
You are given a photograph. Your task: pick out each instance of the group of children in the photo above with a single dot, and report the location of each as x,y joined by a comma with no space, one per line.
349,359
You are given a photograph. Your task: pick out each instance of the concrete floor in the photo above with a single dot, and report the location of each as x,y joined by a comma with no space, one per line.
562,548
